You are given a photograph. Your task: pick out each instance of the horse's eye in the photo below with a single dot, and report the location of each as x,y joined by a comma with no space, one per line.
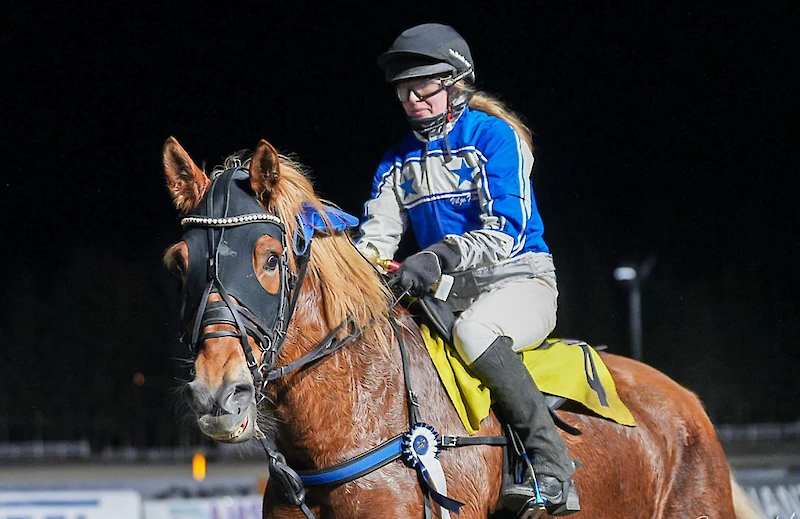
272,262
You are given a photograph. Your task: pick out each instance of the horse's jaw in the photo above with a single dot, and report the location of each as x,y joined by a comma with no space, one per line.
230,428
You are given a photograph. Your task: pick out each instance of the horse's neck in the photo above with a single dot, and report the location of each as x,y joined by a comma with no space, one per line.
357,398
354,397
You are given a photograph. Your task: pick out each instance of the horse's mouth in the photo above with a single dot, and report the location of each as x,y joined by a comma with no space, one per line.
235,434
228,428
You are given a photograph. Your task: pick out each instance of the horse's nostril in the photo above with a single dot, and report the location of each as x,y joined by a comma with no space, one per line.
196,398
237,397
243,388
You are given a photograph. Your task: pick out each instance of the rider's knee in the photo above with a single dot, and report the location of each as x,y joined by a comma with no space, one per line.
472,338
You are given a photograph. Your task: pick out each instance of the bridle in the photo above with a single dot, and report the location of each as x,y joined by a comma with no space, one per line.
221,235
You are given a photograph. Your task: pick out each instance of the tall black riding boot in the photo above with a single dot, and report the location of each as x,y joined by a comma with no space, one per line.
523,407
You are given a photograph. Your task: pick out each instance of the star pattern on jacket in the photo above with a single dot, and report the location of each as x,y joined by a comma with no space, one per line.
408,186
464,173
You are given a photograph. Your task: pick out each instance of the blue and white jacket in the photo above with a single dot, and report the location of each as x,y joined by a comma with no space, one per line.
481,202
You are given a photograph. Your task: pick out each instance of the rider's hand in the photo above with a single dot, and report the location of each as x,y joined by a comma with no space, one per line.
419,272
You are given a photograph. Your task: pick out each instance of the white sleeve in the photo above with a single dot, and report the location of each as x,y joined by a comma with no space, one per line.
385,219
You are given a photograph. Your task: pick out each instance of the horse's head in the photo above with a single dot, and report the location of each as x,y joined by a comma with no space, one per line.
234,264
243,261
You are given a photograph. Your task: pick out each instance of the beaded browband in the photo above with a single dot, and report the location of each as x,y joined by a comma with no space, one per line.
231,221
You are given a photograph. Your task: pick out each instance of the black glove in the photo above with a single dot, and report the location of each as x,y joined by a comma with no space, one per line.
420,271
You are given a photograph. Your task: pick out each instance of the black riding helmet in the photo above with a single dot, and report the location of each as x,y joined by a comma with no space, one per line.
432,49
427,50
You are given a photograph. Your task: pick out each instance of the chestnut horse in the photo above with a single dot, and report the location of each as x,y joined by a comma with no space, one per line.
671,465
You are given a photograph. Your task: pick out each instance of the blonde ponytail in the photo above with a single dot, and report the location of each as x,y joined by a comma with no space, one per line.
491,105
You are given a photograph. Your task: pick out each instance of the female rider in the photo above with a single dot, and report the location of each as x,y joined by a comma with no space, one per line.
462,180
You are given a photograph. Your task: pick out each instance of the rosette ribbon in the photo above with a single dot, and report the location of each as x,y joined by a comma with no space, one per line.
420,450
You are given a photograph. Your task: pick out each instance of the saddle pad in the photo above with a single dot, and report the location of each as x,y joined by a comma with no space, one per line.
562,367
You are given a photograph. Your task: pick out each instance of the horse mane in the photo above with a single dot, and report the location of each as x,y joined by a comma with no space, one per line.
347,283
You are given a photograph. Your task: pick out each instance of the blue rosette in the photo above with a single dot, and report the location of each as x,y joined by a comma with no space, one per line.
421,446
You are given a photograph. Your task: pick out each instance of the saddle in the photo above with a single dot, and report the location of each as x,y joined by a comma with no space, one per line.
570,373
439,315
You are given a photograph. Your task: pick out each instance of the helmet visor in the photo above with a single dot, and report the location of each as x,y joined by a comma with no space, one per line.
421,88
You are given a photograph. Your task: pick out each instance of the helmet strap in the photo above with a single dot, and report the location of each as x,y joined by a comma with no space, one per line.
448,155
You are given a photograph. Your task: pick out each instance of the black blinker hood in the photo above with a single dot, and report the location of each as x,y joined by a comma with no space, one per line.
224,255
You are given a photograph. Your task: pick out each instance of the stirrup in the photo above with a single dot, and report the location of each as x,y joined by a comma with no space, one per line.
533,509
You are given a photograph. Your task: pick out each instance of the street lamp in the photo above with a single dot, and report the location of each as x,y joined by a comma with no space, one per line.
634,276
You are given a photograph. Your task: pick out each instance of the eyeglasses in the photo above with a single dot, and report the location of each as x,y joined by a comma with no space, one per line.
422,89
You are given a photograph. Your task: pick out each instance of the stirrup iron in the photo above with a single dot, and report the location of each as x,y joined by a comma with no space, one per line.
531,510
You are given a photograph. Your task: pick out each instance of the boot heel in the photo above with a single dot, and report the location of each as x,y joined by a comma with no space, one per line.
569,506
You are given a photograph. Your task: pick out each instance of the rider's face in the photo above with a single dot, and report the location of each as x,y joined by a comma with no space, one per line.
422,98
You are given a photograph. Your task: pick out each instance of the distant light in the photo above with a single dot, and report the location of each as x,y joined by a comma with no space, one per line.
624,273
199,467
138,379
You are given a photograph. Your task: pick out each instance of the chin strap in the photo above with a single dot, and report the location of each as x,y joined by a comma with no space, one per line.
427,128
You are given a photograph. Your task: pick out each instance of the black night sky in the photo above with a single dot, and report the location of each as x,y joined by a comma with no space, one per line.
664,130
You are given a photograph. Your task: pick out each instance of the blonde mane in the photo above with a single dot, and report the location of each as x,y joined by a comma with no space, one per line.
348,284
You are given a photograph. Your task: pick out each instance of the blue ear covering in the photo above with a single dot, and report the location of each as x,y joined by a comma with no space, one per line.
311,221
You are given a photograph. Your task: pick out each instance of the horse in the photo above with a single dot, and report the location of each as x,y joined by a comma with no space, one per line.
247,383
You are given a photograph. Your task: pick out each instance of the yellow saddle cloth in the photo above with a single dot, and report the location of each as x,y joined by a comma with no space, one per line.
566,368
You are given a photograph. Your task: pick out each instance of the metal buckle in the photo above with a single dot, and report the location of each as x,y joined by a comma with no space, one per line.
448,441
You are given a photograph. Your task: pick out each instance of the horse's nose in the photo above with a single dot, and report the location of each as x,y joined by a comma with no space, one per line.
199,398
235,398
229,399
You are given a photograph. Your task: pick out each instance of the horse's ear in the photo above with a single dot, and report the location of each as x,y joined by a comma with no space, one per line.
185,181
265,169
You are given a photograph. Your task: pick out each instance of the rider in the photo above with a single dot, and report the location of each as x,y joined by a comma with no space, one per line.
462,179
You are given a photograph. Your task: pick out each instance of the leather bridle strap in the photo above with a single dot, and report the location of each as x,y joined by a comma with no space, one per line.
217,312
326,346
295,286
413,402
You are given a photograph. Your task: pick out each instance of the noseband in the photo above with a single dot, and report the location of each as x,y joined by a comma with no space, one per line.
221,237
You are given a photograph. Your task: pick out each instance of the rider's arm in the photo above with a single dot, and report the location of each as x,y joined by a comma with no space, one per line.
384,219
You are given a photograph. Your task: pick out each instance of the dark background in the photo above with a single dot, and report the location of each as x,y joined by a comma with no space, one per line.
664,130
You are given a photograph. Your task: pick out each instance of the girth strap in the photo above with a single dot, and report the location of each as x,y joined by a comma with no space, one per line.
413,401
463,441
